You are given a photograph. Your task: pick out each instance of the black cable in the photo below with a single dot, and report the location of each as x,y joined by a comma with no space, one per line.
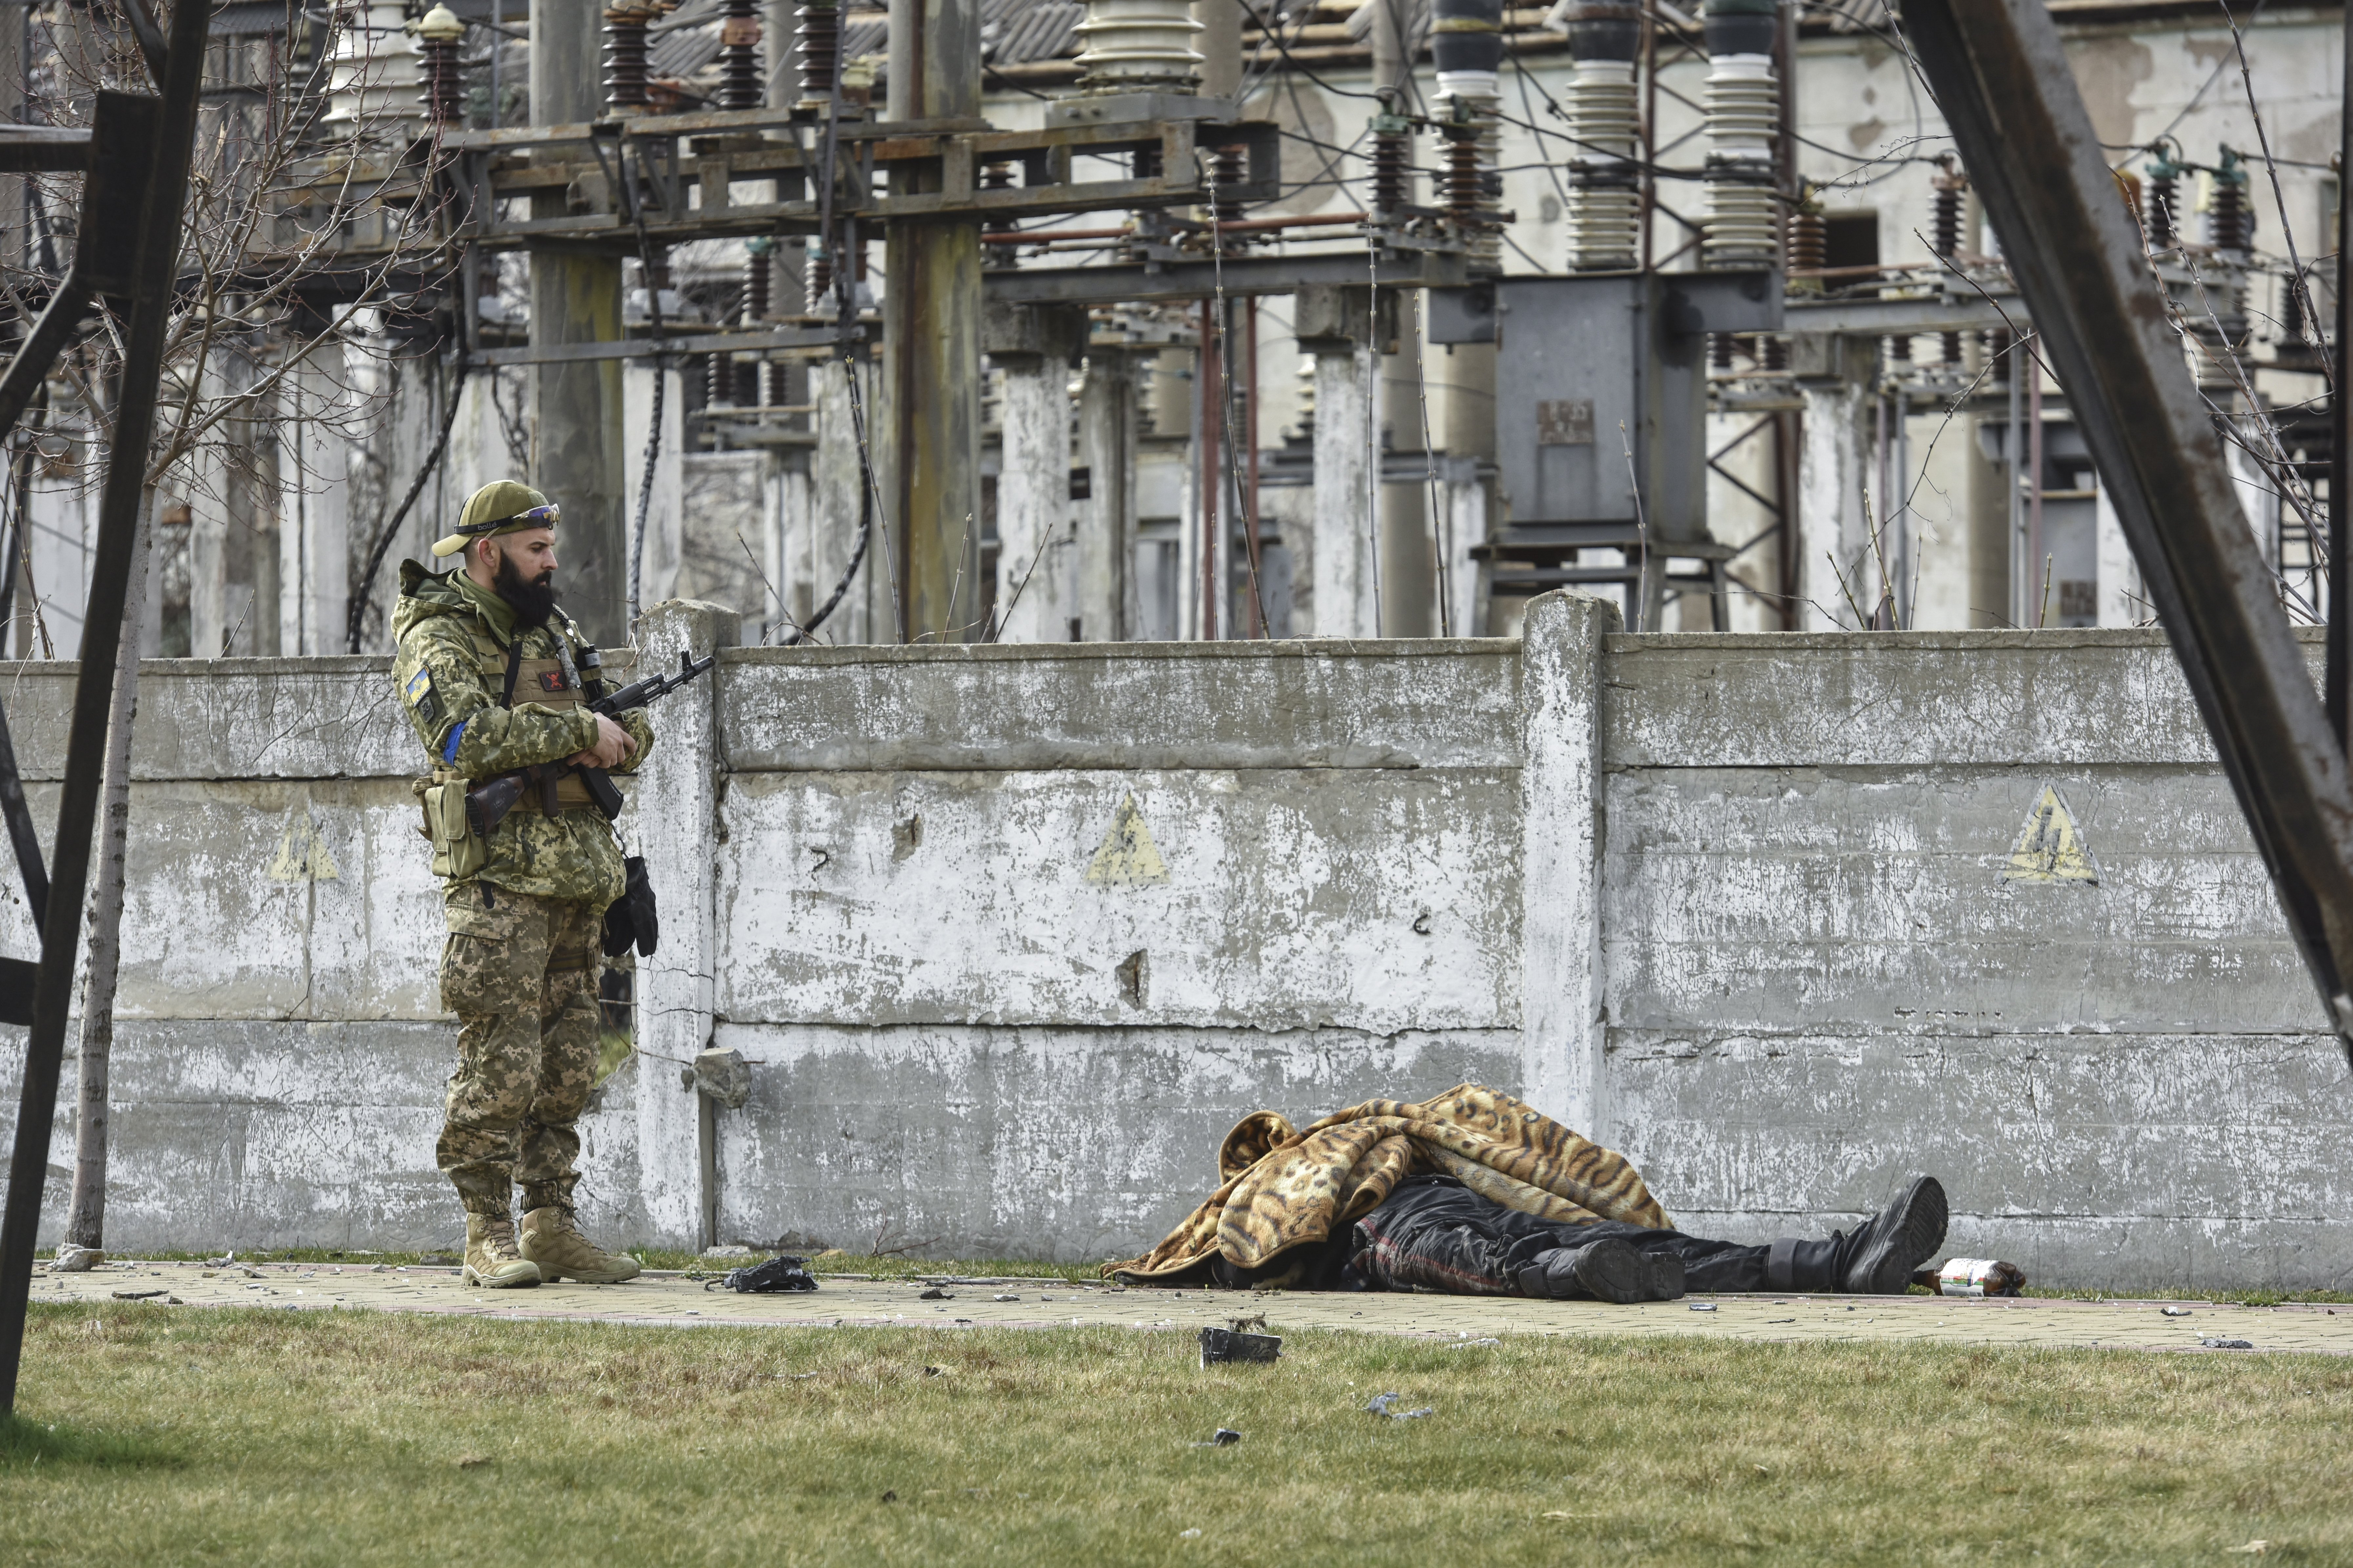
357,618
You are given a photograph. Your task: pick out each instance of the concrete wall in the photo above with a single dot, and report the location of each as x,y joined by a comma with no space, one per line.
1011,936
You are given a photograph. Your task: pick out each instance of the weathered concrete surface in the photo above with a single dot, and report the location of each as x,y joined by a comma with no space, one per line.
1069,1143
857,1301
1011,936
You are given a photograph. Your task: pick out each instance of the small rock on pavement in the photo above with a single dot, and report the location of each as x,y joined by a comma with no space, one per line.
2227,1344
76,1260
2174,1311
935,1294
1004,1297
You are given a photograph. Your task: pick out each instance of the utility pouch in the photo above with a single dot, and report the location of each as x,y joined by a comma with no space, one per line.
457,850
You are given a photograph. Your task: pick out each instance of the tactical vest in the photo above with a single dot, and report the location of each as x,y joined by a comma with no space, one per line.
549,682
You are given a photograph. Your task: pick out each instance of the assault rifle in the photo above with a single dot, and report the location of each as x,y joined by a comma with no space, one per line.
487,803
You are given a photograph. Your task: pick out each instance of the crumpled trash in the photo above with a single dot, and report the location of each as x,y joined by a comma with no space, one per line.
935,1294
1225,1345
1385,1404
772,1277
76,1260
1223,1438
2227,1344
2174,1311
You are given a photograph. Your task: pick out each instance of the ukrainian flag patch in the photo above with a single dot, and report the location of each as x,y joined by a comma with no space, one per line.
426,698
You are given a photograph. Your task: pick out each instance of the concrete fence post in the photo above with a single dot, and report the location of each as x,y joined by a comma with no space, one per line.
677,801
1562,1037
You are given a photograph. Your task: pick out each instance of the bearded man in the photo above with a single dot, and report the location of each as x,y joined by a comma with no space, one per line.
495,681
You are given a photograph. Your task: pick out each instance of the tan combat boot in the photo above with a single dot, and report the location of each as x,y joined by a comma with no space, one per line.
552,1240
491,1258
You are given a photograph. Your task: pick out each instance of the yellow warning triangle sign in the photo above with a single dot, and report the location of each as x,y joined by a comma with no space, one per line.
2051,848
1128,858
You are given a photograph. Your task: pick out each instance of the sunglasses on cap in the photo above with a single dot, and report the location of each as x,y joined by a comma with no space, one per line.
537,517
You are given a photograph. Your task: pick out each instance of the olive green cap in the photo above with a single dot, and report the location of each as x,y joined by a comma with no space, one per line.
502,506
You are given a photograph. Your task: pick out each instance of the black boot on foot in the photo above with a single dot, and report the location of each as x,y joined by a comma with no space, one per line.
1880,1258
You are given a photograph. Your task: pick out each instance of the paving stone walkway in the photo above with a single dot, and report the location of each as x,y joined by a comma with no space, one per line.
672,1299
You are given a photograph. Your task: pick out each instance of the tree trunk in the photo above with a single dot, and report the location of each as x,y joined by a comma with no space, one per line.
85,1220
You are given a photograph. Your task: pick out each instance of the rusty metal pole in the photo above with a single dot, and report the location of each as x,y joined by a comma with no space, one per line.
2010,96
930,335
154,264
2339,695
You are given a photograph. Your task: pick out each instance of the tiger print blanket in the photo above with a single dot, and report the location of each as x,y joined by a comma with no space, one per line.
1282,1187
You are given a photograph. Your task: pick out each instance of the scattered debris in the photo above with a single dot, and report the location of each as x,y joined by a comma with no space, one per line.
2174,1311
1223,1438
174,1301
1228,1345
437,1260
935,1294
891,1497
1383,1404
1004,1297
935,1372
1710,1307
1979,1277
139,1295
2227,1344
772,1278
76,1261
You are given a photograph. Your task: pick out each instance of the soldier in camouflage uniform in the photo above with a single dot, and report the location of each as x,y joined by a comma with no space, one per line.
490,676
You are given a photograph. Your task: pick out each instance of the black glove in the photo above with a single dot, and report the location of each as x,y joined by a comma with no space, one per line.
633,917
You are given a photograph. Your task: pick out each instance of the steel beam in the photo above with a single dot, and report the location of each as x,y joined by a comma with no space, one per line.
2009,95
1904,318
155,259
1137,283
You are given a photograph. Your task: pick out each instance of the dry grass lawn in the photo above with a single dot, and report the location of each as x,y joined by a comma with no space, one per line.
152,1435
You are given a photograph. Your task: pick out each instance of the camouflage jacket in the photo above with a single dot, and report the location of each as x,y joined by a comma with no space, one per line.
455,642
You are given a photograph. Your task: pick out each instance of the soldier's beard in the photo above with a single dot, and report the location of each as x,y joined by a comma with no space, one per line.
533,598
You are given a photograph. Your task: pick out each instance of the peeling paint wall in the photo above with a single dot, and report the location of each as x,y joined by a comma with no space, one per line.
1011,936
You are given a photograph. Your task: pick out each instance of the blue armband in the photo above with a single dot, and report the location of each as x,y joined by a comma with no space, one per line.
449,747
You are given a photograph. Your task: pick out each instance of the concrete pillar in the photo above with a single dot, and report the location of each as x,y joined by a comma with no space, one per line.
932,337
2123,601
1407,565
837,496
1464,495
665,518
1219,43
1831,451
675,990
1469,439
579,442
1103,589
314,517
1343,575
1563,1035
1034,540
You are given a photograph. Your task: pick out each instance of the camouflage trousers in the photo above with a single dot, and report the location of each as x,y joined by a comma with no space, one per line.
521,974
